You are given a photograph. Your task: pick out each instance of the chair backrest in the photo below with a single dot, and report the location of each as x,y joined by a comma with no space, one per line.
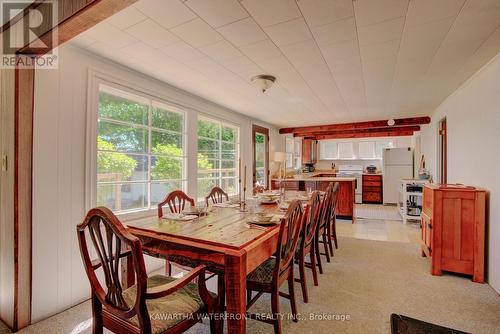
335,199
326,206
289,235
111,242
176,201
312,219
217,195
258,188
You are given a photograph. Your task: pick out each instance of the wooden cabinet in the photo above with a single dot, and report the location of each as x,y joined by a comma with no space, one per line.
453,225
372,189
309,151
289,185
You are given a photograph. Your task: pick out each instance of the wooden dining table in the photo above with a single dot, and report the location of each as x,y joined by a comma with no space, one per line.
223,240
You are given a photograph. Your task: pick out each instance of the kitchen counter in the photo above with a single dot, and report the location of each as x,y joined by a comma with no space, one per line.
315,177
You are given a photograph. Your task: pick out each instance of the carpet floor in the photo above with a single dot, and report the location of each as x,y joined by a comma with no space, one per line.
366,282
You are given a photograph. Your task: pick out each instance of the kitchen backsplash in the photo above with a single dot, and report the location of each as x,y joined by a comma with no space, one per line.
327,164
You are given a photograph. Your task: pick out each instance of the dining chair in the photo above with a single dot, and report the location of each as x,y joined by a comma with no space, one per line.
217,195
176,201
270,275
258,189
322,227
306,244
333,220
156,304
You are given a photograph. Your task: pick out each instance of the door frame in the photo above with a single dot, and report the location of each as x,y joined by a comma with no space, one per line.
443,151
260,129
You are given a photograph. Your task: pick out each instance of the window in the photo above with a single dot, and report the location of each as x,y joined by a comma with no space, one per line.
140,150
218,154
293,153
366,150
328,150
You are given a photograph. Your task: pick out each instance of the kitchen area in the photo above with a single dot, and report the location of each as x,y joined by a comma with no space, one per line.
384,171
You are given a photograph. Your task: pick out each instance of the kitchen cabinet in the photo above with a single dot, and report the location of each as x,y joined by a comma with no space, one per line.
453,227
309,151
289,185
372,189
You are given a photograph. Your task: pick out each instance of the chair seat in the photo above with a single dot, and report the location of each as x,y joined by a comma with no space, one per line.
263,274
168,311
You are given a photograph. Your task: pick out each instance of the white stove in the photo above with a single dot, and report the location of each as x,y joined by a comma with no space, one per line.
353,171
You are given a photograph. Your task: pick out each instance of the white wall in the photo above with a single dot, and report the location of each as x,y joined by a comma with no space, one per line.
59,175
473,121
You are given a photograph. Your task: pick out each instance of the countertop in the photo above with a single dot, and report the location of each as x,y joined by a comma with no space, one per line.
314,177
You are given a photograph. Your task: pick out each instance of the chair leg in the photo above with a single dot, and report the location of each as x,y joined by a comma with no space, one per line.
275,306
168,268
318,256
303,284
249,296
97,321
312,256
325,244
329,239
291,292
334,231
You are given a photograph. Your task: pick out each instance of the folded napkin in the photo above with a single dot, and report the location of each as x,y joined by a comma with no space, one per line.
226,205
179,216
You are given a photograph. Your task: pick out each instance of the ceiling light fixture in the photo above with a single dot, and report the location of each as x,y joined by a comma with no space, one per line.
263,81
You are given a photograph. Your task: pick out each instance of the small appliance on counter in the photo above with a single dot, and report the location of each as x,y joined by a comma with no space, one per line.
308,168
371,169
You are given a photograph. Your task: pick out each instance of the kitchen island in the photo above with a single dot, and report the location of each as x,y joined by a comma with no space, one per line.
320,181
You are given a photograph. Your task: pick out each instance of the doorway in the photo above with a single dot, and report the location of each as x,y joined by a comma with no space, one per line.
260,138
443,152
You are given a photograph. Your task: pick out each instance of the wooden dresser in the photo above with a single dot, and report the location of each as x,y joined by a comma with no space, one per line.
372,188
453,225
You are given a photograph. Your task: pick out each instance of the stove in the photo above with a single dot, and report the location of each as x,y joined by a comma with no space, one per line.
353,171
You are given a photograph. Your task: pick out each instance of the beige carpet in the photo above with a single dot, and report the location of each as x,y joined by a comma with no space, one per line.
367,281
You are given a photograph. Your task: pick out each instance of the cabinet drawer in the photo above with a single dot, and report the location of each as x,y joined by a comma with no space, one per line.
372,184
372,178
375,197
372,189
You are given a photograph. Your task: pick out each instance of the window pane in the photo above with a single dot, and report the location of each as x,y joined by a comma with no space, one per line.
167,120
160,190
229,134
122,109
117,137
166,143
204,186
229,164
121,197
166,168
117,167
229,186
208,129
208,148
228,151
206,164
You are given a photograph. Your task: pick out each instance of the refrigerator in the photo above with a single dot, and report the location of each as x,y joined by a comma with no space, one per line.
397,165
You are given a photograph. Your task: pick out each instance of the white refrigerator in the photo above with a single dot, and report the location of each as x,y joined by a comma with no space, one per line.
398,164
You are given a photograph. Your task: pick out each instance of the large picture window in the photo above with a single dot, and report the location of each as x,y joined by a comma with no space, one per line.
140,150
218,153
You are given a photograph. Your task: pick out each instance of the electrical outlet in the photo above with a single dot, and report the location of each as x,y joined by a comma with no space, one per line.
4,163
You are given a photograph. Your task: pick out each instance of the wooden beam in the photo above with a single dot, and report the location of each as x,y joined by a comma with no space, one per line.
360,131
354,134
359,125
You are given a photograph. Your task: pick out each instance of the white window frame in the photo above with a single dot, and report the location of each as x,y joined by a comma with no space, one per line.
294,155
95,81
221,122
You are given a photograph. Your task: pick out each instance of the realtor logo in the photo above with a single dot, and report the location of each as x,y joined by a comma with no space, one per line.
28,30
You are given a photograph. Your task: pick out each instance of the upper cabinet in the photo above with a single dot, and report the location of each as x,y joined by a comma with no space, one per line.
342,149
309,151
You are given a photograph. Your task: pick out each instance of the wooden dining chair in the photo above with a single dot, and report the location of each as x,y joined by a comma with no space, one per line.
270,275
306,244
332,233
216,195
153,304
176,201
258,189
321,236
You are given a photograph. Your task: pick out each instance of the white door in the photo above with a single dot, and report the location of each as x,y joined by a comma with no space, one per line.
392,181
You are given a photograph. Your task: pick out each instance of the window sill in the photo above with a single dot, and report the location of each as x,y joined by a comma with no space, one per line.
136,215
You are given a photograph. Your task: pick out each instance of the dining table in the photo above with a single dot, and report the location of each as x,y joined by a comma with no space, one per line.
224,240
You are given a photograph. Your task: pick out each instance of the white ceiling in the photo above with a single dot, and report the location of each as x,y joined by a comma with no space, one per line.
335,60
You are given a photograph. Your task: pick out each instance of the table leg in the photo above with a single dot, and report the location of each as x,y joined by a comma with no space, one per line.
235,282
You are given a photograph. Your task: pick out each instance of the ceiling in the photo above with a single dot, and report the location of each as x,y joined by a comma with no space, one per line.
335,60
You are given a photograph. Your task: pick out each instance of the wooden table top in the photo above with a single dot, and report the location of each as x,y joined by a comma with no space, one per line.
227,227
